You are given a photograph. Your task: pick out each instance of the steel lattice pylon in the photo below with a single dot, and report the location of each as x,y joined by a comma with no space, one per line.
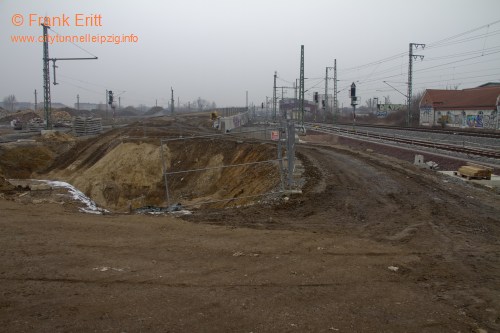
47,108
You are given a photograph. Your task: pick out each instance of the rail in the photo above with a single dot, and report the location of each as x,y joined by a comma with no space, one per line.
416,142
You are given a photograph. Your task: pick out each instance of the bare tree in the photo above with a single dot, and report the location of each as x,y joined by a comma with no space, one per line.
371,104
9,102
202,103
368,103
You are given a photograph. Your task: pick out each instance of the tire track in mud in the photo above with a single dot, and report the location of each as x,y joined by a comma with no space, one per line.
454,228
462,267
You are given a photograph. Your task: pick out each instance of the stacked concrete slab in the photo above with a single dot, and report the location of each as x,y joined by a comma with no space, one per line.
87,126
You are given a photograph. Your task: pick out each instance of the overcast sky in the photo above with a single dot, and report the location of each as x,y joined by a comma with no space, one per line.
219,49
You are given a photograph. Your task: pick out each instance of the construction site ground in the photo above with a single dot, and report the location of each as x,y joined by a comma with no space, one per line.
373,243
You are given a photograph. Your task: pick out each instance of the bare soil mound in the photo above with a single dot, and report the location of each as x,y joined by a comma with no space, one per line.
23,160
4,184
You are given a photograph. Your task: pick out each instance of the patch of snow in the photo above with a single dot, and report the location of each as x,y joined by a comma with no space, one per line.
77,195
182,212
107,268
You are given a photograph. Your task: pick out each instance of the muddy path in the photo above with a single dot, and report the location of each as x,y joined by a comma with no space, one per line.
451,229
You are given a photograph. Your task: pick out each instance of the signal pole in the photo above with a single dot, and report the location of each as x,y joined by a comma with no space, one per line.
274,96
410,77
106,99
354,102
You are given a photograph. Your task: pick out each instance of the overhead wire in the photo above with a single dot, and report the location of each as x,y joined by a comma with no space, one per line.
78,46
376,75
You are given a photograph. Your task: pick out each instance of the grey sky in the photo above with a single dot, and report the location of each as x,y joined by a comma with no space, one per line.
218,49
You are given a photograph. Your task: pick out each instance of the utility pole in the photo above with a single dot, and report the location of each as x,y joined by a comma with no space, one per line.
46,75
282,103
246,100
295,108
78,102
35,100
46,79
172,101
335,100
410,77
274,96
326,87
301,88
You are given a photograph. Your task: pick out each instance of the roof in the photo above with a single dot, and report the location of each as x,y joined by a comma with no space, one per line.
490,84
481,98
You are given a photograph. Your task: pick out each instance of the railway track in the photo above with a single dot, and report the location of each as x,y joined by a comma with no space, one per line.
454,131
404,140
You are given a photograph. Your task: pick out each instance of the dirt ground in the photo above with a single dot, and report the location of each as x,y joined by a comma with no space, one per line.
372,245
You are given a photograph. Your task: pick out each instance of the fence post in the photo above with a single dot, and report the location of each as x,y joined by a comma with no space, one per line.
280,160
290,151
165,173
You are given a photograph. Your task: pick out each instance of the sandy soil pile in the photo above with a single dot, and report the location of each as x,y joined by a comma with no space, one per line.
129,172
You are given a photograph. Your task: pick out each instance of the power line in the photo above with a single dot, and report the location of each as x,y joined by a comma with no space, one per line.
457,61
436,43
463,54
78,46
440,43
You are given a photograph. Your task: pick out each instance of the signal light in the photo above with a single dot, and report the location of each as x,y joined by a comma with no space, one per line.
110,97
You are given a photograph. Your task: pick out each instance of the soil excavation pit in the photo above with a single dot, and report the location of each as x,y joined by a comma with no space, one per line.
129,174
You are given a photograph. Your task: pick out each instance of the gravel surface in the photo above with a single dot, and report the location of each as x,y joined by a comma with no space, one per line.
435,137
